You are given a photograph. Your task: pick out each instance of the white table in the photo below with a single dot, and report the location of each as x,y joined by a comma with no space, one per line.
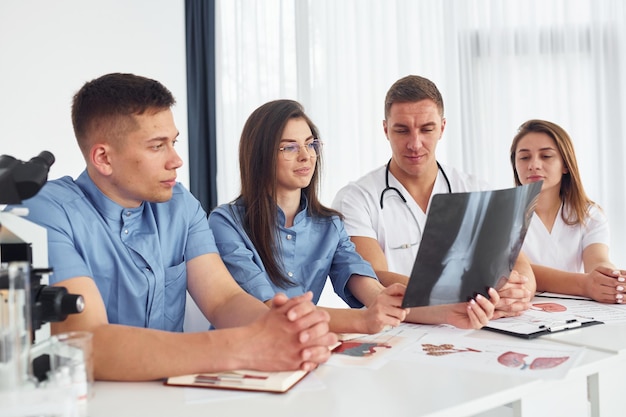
397,389
583,392
608,384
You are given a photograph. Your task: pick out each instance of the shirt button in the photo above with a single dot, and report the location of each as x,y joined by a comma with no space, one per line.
289,237
126,231
128,214
290,274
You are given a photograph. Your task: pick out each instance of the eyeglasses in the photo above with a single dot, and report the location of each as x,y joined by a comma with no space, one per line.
292,150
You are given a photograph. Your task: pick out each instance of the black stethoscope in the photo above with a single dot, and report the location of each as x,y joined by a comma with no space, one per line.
389,188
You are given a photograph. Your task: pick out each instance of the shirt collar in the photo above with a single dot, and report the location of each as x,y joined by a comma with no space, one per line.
101,202
302,212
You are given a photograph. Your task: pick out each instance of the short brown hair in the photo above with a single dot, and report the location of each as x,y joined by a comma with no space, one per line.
410,89
110,101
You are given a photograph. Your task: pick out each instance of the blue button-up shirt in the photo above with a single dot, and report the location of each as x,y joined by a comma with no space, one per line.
137,257
312,250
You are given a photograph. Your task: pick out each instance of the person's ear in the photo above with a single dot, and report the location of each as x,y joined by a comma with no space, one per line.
99,157
443,126
385,128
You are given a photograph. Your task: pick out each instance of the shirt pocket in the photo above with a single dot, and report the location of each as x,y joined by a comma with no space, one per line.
175,297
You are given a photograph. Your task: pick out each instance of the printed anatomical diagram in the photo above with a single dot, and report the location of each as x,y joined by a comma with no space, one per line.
516,359
359,349
444,349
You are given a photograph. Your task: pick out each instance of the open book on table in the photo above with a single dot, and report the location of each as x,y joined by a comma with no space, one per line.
470,243
245,380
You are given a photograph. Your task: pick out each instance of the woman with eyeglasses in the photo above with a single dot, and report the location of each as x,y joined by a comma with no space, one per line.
278,237
568,238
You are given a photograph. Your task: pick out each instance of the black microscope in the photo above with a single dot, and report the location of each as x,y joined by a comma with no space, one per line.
25,302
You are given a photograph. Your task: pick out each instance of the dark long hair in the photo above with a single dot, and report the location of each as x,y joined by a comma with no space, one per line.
258,152
572,193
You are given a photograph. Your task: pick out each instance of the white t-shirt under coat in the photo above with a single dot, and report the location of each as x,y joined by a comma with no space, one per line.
563,247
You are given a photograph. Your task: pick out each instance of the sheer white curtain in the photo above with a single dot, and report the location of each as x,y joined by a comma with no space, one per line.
496,62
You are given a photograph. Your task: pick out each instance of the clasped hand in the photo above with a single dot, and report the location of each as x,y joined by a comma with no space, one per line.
515,297
294,334
386,311
606,285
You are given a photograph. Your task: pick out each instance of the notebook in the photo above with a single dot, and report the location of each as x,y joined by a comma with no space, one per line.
470,243
246,380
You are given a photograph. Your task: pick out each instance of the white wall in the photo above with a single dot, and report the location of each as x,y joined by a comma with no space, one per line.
49,49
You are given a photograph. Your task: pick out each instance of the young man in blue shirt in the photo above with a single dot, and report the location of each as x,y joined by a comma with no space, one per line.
131,240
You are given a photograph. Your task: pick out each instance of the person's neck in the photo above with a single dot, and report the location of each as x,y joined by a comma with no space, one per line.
548,206
289,203
110,190
420,186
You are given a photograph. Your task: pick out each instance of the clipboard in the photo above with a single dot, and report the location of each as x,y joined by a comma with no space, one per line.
509,327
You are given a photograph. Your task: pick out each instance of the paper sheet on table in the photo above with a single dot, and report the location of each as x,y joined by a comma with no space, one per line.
532,359
588,309
373,351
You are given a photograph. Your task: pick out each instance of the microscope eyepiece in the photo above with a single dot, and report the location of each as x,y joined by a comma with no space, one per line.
45,158
22,180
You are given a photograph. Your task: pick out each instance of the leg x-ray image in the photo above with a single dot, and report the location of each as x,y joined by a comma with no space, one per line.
470,243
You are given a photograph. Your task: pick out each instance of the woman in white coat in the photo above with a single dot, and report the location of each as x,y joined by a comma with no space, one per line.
568,239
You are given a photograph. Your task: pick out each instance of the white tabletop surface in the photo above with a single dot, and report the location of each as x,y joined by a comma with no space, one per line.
398,388
607,337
